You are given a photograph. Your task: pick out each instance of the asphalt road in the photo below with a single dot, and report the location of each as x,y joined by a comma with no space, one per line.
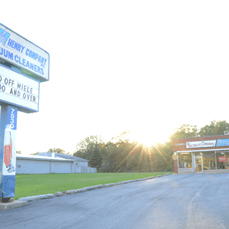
175,201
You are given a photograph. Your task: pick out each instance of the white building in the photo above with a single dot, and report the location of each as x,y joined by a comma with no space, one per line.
51,163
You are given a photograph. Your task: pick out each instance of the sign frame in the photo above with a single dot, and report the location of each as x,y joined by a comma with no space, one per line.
20,107
21,64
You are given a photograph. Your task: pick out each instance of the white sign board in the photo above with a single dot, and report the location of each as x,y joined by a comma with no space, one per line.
20,52
19,90
200,144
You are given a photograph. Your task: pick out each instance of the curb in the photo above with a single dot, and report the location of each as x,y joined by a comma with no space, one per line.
110,184
68,192
14,204
39,197
59,194
84,189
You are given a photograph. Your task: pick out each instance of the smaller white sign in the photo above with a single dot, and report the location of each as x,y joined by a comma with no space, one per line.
200,144
19,90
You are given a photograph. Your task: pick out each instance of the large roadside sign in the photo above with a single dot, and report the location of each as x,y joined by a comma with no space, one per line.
23,65
17,52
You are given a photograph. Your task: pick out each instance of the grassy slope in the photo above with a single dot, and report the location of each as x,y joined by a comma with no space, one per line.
37,184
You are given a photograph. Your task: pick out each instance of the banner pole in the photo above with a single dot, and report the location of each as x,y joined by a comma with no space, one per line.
8,151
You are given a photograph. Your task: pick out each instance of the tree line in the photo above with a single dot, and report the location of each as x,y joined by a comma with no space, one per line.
121,155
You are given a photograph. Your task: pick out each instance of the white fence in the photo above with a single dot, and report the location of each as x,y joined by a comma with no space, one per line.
88,170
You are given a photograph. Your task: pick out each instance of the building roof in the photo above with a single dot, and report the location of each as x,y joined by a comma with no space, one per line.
61,155
206,136
42,158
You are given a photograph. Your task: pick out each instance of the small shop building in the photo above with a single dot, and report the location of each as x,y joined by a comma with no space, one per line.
201,154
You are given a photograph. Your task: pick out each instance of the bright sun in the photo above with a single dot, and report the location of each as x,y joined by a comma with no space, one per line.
145,139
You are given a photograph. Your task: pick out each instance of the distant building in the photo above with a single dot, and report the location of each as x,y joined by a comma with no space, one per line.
51,163
209,154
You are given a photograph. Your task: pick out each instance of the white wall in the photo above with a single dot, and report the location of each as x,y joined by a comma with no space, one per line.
44,166
61,167
77,169
82,163
32,166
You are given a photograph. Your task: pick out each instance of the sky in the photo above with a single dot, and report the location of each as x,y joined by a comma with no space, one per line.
141,66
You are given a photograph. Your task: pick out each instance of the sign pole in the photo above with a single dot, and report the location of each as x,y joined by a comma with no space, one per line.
8,151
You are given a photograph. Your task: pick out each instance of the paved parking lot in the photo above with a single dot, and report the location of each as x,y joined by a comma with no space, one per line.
175,201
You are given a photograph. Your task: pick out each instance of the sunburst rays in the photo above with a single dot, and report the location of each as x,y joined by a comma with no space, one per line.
144,149
150,150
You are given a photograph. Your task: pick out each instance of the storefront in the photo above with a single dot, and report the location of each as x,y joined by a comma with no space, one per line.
202,154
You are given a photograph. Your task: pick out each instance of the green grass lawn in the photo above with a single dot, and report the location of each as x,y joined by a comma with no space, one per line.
37,184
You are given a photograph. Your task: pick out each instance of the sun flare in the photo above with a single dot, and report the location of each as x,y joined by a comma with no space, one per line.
145,139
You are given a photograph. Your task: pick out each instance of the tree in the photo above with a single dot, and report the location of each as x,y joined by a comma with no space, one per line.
214,128
35,153
56,150
164,156
115,153
88,142
18,152
96,159
185,131
123,137
85,148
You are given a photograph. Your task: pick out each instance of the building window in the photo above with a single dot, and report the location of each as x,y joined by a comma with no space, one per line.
185,160
222,160
209,161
